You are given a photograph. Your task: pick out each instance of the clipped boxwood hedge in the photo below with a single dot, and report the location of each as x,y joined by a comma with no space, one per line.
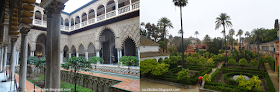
215,73
269,83
226,88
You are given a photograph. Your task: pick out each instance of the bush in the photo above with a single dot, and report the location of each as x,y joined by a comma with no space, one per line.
210,62
243,61
254,63
206,77
189,59
160,69
147,65
221,51
271,62
232,61
248,84
183,74
207,55
202,60
195,60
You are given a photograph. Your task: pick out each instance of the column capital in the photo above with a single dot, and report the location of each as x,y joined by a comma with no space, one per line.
14,39
55,7
97,49
24,31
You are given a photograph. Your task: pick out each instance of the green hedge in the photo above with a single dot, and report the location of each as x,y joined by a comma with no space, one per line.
226,88
269,83
214,74
271,62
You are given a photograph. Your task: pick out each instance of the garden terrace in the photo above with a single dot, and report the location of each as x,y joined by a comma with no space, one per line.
171,75
221,79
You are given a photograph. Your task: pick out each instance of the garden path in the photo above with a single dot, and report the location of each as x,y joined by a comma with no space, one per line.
273,76
213,70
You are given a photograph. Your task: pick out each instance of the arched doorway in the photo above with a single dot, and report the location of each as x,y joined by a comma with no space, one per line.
107,40
65,53
91,51
81,51
40,46
73,51
129,48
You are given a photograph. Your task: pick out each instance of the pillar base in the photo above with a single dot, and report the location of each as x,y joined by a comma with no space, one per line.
22,90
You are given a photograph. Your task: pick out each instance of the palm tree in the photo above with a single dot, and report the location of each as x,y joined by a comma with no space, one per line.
231,33
181,3
239,33
207,40
258,35
164,23
247,40
196,33
223,20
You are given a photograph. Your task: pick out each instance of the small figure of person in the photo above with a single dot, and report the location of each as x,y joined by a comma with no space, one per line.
200,82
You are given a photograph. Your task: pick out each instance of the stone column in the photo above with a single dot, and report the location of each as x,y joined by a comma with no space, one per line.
1,57
23,59
17,57
130,5
117,8
57,7
49,49
87,19
95,14
12,59
86,55
42,19
77,54
97,55
138,51
61,57
118,52
80,22
5,57
105,14
32,53
69,54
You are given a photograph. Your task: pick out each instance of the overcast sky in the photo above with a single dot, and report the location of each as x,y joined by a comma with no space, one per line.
72,5
200,15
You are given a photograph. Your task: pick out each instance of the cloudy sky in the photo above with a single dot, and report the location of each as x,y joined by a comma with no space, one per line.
72,5
200,15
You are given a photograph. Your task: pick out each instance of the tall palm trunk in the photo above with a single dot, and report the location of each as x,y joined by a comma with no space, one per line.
240,41
259,54
182,38
225,43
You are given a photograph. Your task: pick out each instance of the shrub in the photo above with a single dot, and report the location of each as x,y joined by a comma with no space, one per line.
183,74
147,65
210,61
206,77
214,74
254,63
160,69
221,51
189,59
206,54
232,61
195,60
243,61
202,60
248,84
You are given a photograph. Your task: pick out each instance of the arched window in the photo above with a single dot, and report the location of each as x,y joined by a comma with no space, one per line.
110,6
100,10
66,24
91,14
122,3
84,17
38,15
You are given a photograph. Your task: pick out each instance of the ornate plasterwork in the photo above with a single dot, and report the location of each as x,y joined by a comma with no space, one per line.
122,30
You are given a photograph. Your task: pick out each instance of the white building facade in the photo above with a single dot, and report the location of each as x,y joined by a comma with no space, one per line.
102,28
